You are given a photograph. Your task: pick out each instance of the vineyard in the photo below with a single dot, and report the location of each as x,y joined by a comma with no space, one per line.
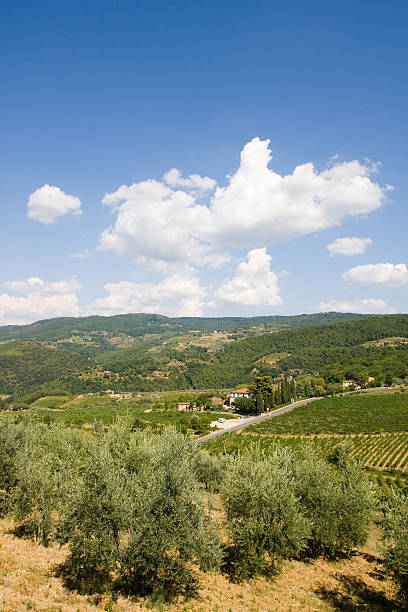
388,451
374,413
375,426
381,451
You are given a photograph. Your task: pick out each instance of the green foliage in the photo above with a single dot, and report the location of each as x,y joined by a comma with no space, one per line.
138,325
150,352
245,404
27,365
336,497
140,510
395,528
265,520
309,349
132,347
367,413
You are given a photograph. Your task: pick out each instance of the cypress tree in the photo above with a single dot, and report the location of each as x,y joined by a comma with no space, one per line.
259,403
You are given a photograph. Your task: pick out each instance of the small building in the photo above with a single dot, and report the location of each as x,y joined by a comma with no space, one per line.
216,401
244,392
184,406
240,393
350,383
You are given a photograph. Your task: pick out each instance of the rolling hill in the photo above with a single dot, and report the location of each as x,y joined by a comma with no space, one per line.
25,366
143,352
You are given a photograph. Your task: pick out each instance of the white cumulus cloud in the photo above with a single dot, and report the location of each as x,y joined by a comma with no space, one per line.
177,295
37,299
364,306
154,223
254,284
164,221
349,246
386,274
48,203
174,178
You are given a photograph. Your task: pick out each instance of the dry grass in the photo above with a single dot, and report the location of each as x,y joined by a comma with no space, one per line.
27,583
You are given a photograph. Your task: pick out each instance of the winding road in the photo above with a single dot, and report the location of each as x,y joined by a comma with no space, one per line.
256,419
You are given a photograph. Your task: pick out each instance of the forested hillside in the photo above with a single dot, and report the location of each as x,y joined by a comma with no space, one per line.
98,333
167,354
25,366
308,349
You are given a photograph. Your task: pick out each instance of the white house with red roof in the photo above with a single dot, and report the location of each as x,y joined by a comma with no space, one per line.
244,392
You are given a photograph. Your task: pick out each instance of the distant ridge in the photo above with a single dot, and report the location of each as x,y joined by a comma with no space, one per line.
137,324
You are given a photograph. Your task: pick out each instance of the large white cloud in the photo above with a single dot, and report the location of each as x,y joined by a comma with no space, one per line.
385,274
163,221
48,203
254,284
348,246
264,206
177,295
154,223
363,306
39,300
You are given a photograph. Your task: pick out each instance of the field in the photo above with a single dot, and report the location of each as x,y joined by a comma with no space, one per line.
375,426
85,411
51,401
365,413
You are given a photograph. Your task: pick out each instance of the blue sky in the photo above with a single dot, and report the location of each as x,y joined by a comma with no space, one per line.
99,95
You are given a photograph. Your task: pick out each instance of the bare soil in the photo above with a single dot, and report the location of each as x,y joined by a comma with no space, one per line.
27,582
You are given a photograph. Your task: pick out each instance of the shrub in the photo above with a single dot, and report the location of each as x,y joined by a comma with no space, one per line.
209,469
265,520
337,499
140,516
395,527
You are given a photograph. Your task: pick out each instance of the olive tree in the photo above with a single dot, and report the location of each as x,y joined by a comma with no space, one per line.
140,517
11,440
210,470
264,516
48,471
395,527
337,499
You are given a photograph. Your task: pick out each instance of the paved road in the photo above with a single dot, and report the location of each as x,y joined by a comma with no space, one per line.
256,419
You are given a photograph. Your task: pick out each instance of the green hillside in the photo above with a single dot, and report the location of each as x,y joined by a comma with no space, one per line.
152,353
100,334
24,366
308,350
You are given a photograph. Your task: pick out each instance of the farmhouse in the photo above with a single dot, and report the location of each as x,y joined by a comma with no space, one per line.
244,392
184,406
350,383
240,393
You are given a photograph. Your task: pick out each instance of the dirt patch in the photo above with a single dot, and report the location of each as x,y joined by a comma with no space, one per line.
27,582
